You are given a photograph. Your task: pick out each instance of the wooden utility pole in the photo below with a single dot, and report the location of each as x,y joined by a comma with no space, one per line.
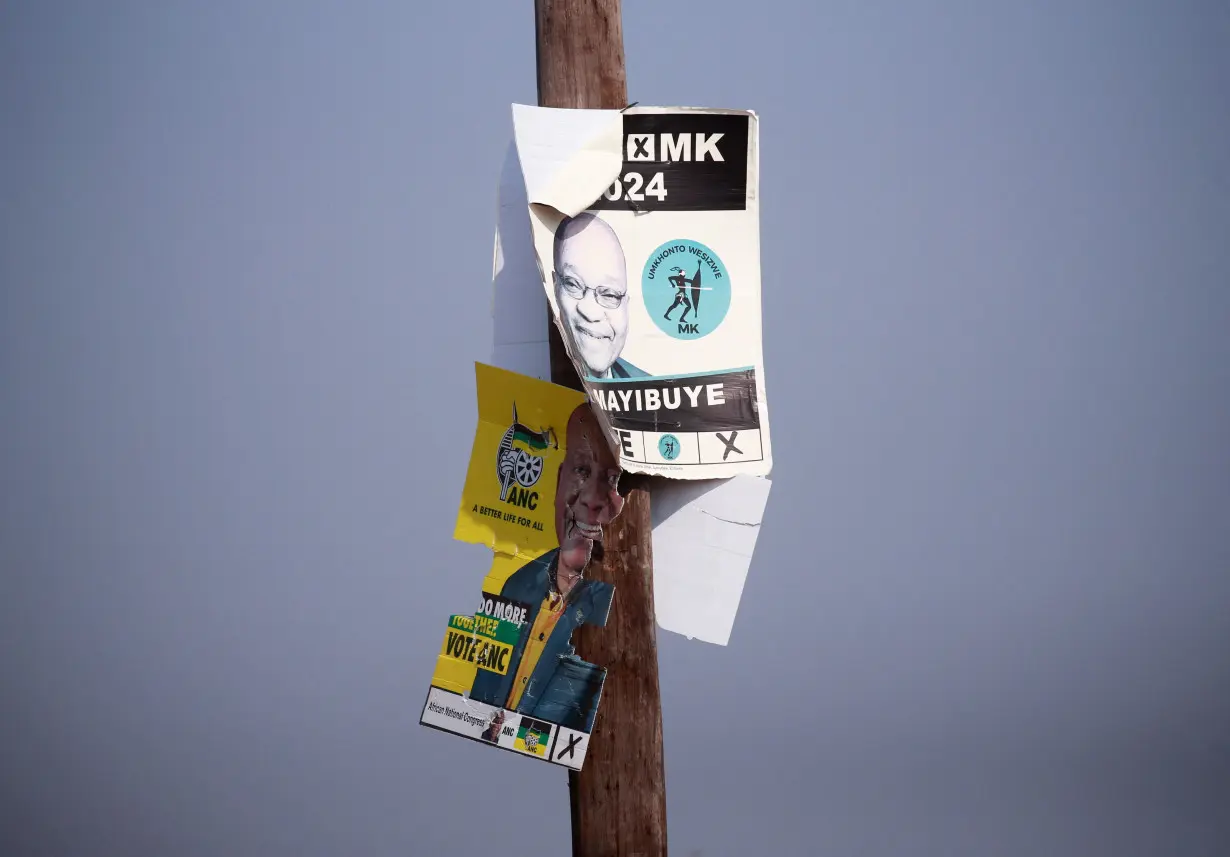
619,796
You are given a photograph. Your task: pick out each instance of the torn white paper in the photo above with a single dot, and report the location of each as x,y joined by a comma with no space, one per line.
654,282
704,530
519,308
568,157
704,534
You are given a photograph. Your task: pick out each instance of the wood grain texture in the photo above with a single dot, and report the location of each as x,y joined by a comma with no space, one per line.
618,799
580,54
619,796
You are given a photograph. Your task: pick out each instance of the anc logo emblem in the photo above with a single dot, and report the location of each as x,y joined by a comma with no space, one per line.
516,463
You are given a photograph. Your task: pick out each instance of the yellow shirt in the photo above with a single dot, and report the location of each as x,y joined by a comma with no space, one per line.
544,623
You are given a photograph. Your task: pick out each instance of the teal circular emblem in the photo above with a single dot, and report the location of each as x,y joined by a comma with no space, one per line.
668,447
686,289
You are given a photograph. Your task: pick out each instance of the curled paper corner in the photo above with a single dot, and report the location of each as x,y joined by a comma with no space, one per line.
568,157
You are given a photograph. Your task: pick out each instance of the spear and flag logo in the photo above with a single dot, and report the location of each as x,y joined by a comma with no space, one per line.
683,284
515,463
676,276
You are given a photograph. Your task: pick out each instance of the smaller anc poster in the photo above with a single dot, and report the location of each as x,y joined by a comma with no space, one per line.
542,481
654,279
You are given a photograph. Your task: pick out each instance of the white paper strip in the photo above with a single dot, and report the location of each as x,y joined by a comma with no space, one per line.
704,534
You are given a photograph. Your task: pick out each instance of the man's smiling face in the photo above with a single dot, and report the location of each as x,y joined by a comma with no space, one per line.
591,290
586,496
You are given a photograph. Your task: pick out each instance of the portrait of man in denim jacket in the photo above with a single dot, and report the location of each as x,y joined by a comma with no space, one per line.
545,678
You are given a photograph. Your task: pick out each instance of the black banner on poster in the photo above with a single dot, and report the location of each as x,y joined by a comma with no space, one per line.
681,162
701,403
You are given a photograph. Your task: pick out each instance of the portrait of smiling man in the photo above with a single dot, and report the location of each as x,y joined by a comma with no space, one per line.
545,678
591,291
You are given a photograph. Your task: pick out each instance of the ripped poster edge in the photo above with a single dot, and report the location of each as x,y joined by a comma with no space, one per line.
541,483
655,283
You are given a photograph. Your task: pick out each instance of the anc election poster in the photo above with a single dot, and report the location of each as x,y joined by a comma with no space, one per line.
542,481
654,282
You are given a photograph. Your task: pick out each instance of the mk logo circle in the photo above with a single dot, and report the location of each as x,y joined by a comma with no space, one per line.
686,289
668,447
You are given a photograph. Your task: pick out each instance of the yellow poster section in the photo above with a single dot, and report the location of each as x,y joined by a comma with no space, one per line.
508,502
530,739
457,673
453,673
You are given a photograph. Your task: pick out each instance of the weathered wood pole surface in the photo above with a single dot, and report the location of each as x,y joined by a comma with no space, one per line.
619,797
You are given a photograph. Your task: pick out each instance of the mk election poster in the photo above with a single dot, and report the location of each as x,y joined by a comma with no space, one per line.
541,483
654,283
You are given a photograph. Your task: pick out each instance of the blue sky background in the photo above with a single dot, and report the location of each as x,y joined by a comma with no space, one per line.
245,272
